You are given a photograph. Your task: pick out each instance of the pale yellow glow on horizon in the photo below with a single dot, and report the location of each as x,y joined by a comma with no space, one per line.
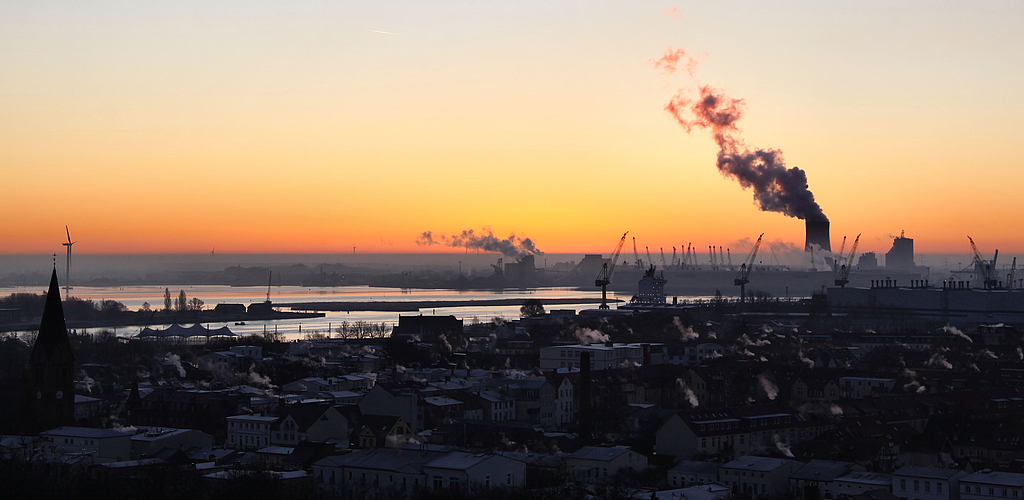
293,128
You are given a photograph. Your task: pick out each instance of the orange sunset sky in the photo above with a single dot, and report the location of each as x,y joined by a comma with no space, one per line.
316,126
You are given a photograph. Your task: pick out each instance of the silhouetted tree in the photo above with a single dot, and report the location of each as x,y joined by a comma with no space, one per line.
532,307
167,299
196,304
181,304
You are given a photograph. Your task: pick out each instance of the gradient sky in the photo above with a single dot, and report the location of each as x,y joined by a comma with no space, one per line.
315,126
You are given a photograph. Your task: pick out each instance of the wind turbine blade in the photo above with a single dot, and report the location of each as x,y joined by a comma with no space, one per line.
69,233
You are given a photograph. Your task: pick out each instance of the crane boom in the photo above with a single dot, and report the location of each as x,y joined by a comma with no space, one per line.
636,256
663,266
743,277
1013,274
836,264
843,271
986,269
604,278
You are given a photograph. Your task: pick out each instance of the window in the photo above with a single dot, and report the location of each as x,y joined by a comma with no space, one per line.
917,485
938,487
508,479
903,484
453,483
438,482
928,487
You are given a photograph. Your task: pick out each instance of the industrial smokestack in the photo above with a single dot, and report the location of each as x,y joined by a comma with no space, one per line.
817,233
586,409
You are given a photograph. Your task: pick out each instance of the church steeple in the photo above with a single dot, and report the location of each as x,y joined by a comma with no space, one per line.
51,365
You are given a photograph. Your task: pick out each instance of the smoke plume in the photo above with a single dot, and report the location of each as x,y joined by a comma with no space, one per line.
686,333
174,360
769,388
513,246
782,447
590,336
776,187
690,396
952,330
672,58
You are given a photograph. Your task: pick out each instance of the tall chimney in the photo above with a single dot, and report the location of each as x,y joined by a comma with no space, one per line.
817,233
586,409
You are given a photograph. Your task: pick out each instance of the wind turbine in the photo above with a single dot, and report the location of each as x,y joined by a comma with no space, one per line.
67,274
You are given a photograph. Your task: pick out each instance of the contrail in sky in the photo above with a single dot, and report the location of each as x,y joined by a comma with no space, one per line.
379,31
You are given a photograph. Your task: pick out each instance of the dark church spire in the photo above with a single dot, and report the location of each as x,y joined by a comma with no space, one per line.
51,366
53,331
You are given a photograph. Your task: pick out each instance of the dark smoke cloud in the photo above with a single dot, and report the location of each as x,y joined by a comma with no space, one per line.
776,188
513,246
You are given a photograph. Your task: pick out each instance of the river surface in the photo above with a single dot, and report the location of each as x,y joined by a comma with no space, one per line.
135,296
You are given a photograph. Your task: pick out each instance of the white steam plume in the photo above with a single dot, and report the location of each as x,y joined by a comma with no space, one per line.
769,388
590,336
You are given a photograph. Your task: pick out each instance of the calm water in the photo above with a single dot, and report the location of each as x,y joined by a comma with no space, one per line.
134,296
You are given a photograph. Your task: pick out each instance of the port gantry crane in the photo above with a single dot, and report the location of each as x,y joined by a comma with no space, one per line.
843,271
985,268
605,276
743,277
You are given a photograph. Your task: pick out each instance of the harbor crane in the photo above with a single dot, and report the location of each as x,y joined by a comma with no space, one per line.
605,276
636,256
986,269
843,270
1013,274
663,266
842,248
743,277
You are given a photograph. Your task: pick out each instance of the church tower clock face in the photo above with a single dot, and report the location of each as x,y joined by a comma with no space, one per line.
39,394
60,394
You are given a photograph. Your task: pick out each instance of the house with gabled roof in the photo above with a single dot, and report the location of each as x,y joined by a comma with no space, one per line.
396,401
309,385
914,482
317,422
815,479
691,473
376,469
736,430
380,431
457,470
597,463
761,477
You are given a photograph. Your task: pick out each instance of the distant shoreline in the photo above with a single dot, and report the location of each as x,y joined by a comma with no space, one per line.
413,306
